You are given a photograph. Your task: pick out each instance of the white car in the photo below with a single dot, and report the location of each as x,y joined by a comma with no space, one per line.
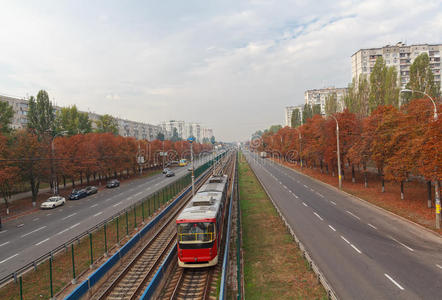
52,202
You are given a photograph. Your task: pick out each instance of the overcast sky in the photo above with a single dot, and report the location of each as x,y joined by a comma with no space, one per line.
231,65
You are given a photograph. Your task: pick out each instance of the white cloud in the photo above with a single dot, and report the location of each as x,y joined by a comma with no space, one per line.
232,66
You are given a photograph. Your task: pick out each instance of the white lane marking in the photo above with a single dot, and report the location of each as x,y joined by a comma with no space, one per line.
38,229
63,231
6,259
97,214
353,214
402,244
345,239
116,204
75,225
312,190
20,225
439,266
332,228
354,247
157,184
304,204
39,243
372,226
332,202
138,194
71,215
48,215
305,186
392,280
35,219
5,243
318,216
3,231
148,188
319,194
95,205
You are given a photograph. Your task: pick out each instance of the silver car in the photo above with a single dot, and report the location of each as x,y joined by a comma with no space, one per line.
53,202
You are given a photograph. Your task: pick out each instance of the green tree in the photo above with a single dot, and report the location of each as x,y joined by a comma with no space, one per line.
6,115
316,109
212,140
296,118
41,116
331,104
307,113
383,85
70,120
421,79
160,136
175,136
273,129
107,123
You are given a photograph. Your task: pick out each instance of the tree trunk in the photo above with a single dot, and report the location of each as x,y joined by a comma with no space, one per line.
320,164
64,181
402,190
73,182
81,178
365,176
430,201
87,178
353,179
326,168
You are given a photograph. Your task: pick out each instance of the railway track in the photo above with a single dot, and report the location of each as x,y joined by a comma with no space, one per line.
195,284
132,276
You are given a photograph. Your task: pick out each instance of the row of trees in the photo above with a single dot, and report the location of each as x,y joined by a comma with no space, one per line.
93,156
64,146
399,142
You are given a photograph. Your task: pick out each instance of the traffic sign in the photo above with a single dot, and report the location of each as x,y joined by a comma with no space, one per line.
191,139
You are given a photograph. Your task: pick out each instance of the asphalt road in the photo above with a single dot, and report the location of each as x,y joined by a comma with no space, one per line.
26,238
363,251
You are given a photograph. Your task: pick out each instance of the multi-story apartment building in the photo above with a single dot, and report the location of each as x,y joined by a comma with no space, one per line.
319,96
195,130
400,56
169,126
20,106
289,113
134,129
207,133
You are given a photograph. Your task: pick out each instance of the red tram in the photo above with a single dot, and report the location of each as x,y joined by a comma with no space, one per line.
200,225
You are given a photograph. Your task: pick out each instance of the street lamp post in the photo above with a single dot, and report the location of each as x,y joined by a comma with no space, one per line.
339,156
190,140
436,182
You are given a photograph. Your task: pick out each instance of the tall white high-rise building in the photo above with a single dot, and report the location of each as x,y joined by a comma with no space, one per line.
400,56
195,130
169,126
289,113
319,96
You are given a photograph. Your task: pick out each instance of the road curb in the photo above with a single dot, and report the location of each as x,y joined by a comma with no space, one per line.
364,201
319,275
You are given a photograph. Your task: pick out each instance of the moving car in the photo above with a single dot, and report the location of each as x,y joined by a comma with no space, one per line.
183,162
77,194
91,190
165,170
112,183
190,169
53,202
170,173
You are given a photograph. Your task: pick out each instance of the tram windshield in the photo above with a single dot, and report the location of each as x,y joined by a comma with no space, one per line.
196,232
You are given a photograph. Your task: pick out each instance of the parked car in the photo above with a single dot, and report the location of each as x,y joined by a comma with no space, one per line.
77,194
91,190
53,202
112,183
190,169
165,170
170,173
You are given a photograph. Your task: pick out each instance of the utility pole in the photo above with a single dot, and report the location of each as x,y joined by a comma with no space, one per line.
436,181
339,156
190,140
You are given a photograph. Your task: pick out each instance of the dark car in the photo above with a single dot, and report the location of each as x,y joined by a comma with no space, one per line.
170,173
77,194
113,183
165,170
91,190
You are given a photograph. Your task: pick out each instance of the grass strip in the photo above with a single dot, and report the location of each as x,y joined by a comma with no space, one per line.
274,267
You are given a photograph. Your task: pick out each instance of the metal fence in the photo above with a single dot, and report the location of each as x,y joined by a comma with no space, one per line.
53,271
